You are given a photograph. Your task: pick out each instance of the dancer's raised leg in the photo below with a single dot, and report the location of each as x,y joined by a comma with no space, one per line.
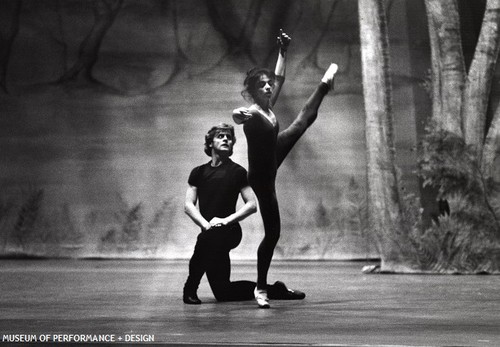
288,137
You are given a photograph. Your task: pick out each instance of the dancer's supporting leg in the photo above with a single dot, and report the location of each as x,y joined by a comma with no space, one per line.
266,195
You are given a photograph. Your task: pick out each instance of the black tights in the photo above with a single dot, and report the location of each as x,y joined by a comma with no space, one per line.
265,189
211,255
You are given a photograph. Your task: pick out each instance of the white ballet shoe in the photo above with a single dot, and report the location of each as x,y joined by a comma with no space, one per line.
330,75
261,298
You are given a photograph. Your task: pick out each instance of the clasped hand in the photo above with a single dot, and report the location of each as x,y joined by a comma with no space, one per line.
217,222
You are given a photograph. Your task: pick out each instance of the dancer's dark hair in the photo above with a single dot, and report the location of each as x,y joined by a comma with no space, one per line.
251,79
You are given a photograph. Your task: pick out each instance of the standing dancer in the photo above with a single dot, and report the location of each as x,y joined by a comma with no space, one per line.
268,147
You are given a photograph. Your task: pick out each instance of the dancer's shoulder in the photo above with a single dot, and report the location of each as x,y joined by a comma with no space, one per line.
235,166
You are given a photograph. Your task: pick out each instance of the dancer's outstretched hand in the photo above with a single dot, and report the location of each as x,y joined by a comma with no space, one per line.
283,40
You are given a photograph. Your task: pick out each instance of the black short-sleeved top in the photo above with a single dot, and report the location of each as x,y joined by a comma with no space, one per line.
218,187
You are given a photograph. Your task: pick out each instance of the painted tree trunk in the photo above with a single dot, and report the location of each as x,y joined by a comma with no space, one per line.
435,85
491,147
465,239
383,192
482,70
448,68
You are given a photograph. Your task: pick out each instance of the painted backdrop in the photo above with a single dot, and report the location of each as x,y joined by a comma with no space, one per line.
105,105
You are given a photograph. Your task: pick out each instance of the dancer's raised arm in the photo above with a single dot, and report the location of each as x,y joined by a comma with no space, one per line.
283,41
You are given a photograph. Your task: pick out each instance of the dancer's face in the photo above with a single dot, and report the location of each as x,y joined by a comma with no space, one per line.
264,90
223,143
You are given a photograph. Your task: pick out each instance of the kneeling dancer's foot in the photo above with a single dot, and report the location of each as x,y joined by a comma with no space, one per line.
191,299
261,298
284,293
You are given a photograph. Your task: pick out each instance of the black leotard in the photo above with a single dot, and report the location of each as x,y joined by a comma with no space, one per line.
267,148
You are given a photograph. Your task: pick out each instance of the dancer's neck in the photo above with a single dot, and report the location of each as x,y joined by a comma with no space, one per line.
218,160
264,108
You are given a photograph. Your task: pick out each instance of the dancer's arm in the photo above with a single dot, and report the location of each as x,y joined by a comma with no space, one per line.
280,69
191,210
242,114
243,212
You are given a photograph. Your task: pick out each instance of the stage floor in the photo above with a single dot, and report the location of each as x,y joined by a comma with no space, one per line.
141,300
